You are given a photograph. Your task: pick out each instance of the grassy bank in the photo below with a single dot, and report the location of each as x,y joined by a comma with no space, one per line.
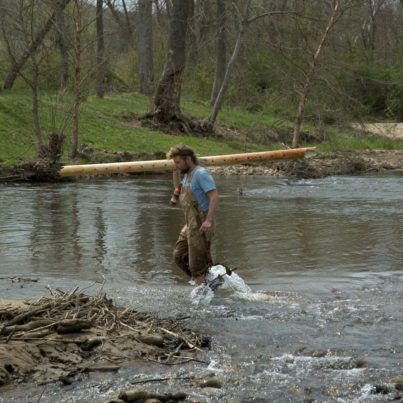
107,124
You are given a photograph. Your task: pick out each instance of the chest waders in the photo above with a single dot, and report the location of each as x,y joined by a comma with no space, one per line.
192,249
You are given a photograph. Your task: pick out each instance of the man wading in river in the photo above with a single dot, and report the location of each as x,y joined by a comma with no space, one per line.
198,197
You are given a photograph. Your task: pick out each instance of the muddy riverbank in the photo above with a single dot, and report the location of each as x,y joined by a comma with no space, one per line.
320,166
323,165
69,335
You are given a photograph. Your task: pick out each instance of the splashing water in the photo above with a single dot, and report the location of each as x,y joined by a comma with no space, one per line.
229,283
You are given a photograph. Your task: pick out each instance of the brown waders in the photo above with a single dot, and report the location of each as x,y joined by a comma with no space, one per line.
192,250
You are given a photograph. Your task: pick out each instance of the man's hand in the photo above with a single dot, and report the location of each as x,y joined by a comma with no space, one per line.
208,222
206,226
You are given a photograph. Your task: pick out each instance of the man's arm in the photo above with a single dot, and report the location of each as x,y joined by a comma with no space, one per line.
176,178
207,224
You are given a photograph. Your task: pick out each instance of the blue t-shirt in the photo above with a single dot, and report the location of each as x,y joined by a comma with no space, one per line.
202,182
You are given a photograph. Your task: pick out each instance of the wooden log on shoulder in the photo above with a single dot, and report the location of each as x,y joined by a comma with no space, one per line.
161,165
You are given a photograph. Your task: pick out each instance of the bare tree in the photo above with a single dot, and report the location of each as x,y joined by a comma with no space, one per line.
122,20
81,25
61,41
77,77
167,97
145,46
164,9
243,21
225,82
17,64
370,27
221,49
100,76
310,73
127,19
25,18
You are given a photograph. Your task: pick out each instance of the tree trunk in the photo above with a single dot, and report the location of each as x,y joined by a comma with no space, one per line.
128,23
243,21
125,27
61,40
167,97
17,66
35,108
168,7
224,85
100,80
375,7
309,76
145,46
77,79
221,50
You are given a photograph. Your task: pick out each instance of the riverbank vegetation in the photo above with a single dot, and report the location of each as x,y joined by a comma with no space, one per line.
246,77
110,130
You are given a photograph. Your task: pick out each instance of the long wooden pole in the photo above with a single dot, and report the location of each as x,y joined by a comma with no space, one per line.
160,165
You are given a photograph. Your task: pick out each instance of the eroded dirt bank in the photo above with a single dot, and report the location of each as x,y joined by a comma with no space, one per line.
325,164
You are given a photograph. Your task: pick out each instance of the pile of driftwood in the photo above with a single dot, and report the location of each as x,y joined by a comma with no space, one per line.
73,333
44,167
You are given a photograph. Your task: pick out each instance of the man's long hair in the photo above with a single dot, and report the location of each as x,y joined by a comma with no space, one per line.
182,150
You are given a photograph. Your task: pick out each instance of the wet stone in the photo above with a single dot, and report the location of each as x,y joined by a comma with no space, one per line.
398,383
196,400
134,395
179,396
137,395
209,383
169,397
320,354
381,389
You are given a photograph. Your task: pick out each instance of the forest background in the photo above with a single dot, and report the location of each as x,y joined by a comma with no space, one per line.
96,81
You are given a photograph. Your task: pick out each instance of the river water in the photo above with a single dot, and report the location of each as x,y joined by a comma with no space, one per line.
323,260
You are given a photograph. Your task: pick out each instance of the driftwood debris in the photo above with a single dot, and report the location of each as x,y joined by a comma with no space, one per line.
71,334
139,395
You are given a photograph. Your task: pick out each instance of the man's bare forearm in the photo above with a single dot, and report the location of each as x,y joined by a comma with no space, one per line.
212,206
176,178
208,222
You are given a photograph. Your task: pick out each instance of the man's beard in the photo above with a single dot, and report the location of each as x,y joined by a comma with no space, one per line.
185,170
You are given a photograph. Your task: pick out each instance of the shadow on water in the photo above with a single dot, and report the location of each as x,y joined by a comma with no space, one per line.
323,259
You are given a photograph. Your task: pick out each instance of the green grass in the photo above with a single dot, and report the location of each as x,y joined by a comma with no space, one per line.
102,127
349,140
235,116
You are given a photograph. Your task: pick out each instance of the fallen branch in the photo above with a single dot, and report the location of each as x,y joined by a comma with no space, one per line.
179,337
72,328
179,378
34,325
19,279
24,316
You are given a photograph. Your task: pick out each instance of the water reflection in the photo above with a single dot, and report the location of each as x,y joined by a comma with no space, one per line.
100,247
124,230
54,235
328,252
